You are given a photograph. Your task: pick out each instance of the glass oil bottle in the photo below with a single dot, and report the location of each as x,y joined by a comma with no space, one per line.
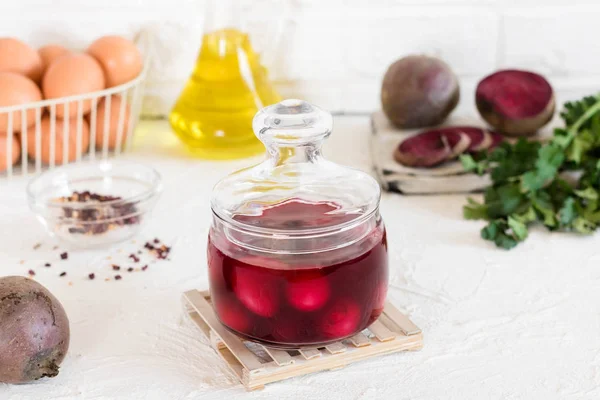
213,115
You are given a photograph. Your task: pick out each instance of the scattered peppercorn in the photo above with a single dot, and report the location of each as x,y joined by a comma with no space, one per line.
116,267
145,267
63,274
92,276
156,241
130,269
47,265
31,272
64,256
162,252
117,277
134,257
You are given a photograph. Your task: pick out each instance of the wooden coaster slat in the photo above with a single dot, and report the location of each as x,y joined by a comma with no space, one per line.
405,324
279,356
335,348
309,353
241,352
255,372
360,340
381,332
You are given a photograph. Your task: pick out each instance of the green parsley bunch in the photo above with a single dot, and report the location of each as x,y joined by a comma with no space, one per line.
556,183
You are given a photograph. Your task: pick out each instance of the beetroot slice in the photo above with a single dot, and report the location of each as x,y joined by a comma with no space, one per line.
428,149
481,139
486,142
433,147
458,143
515,102
478,139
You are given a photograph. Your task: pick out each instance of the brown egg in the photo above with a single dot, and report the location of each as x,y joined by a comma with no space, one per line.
120,59
113,125
73,74
16,152
50,53
18,57
16,89
45,128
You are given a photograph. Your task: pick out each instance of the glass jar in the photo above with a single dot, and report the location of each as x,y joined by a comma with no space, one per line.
297,252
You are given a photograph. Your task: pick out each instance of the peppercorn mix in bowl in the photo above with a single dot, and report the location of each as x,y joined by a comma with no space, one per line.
95,204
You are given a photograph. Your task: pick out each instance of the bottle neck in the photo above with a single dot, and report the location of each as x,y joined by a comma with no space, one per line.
222,14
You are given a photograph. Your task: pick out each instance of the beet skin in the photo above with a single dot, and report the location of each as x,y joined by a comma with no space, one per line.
34,331
419,91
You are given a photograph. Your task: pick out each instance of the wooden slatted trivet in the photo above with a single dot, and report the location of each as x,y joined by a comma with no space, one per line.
256,365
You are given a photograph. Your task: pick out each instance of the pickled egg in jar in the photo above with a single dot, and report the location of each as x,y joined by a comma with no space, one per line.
297,251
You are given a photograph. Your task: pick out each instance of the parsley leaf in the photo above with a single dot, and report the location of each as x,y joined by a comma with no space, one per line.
474,210
550,158
567,212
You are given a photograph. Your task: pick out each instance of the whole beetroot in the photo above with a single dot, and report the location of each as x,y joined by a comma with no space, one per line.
34,331
419,91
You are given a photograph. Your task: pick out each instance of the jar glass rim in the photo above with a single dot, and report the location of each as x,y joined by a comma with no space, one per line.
310,233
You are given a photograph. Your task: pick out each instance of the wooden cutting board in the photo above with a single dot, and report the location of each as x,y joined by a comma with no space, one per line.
446,178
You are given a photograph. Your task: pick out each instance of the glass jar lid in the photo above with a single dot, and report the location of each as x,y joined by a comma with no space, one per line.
318,195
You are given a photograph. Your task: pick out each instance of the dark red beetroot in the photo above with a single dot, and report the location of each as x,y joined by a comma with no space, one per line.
516,103
34,331
436,146
419,91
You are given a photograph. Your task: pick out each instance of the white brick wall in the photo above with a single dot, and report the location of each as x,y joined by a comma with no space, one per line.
334,52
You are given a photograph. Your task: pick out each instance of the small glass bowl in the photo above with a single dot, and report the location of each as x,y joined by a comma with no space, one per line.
94,204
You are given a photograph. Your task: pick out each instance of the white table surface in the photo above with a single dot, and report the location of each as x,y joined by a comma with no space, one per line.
523,324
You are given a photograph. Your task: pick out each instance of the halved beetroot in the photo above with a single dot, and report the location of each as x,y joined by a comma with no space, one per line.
515,102
431,148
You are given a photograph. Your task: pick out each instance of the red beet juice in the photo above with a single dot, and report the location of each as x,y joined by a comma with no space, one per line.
290,300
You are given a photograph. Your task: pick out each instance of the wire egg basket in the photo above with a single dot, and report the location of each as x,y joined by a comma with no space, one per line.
37,143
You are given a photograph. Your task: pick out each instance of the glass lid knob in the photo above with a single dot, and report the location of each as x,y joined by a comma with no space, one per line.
292,122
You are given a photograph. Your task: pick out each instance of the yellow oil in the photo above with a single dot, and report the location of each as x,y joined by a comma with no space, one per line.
213,115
